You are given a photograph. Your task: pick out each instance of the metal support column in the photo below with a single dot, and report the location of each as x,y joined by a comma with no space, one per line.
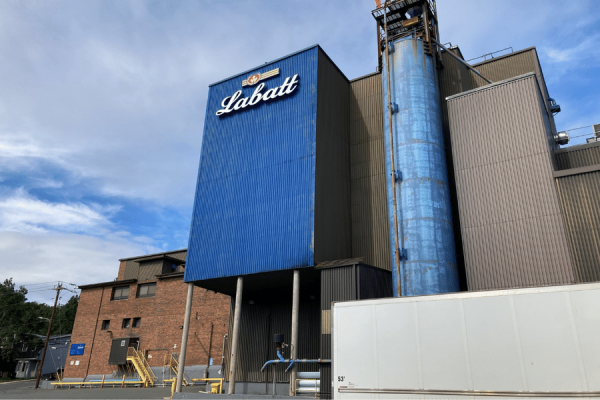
294,342
184,336
234,335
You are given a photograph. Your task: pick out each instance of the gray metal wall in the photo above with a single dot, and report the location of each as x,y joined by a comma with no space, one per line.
512,228
370,232
580,200
580,156
259,323
332,173
150,268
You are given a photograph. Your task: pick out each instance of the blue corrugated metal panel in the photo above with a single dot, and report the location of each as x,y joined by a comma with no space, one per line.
423,197
254,205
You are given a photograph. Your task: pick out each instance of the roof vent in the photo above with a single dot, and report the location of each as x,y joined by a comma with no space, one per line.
561,138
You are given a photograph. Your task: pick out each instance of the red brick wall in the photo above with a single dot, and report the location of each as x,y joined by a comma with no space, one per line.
159,333
121,274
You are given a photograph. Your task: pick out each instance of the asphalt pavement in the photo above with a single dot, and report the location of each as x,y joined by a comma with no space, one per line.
26,390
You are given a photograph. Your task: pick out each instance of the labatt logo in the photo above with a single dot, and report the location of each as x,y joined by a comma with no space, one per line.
237,102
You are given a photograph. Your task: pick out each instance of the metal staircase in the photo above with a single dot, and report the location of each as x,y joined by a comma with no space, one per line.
139,362
171,362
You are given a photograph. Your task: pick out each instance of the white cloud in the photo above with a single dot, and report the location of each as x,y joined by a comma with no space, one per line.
20,212
33,257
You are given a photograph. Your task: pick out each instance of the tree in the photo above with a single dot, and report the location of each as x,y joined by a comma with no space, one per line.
20,322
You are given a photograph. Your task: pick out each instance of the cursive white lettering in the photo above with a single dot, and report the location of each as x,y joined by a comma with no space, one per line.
235,103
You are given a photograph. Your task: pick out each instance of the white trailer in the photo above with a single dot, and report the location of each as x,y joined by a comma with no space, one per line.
510,344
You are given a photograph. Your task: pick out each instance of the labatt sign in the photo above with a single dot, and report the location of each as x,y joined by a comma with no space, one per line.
236,102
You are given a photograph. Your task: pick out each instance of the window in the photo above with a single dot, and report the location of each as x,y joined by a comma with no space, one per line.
106,324
126,323
137,322
120,293
147,290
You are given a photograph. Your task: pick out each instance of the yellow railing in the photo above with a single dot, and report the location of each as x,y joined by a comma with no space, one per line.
141,365
171,362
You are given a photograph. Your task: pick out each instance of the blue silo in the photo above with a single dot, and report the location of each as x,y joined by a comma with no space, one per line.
425,233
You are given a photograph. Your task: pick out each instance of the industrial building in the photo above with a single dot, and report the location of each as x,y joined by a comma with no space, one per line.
143,308
428,176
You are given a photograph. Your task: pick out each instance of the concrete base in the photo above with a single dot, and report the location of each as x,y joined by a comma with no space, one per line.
243,390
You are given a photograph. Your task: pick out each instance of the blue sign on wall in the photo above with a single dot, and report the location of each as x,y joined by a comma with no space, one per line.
255,194
77,349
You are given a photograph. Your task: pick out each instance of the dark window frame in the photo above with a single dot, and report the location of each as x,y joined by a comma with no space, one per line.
117,293
146,287
137,322
126,323
105,324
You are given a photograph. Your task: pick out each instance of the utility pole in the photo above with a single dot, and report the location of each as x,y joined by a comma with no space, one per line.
39,374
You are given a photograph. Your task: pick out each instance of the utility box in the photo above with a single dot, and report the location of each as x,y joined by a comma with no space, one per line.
540,341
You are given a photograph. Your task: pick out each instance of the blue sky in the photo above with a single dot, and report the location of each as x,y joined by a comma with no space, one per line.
102,106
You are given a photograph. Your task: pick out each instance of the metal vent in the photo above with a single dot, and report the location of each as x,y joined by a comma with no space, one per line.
561,138
597,130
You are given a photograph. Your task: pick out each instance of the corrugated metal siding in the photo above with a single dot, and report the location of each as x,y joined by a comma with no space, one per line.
180,255
512,228
150,269
254,205
132,270
333,238
370,229
453,78
580,156
259,323
580,200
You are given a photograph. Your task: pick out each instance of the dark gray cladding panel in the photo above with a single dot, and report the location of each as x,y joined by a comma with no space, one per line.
511,223
370,233
580,200
259,323
579,156
332,174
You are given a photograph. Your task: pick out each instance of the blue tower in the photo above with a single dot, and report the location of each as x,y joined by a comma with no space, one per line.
421,231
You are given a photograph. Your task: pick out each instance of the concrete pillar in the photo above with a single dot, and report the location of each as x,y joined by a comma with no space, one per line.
235,333
294,342
184,337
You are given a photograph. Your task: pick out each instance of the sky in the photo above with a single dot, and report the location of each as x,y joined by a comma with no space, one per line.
102,107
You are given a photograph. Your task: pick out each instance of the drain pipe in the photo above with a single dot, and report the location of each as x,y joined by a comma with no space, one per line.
393,167
223,355
205,375
466,64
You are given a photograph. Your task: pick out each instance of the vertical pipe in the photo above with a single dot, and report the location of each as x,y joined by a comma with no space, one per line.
393,177
209,349
184,337
294,343
234,335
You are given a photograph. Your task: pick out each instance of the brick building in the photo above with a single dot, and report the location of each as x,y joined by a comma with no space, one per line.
144,306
